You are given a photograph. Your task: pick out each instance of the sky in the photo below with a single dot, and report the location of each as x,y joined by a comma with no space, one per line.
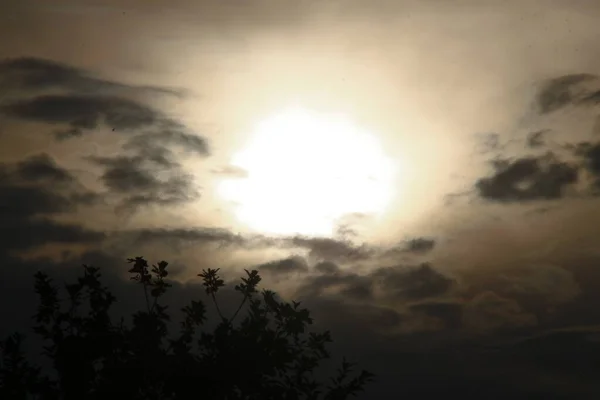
423,175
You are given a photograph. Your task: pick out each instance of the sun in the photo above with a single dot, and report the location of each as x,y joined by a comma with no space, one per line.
305,170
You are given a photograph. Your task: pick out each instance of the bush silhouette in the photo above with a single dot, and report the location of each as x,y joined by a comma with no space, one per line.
268,354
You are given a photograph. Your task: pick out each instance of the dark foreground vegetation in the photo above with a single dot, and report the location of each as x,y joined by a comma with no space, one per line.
265,352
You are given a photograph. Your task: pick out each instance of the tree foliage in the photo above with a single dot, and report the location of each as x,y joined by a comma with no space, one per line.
268,354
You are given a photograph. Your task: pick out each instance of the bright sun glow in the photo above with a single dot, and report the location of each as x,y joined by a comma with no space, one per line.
305,171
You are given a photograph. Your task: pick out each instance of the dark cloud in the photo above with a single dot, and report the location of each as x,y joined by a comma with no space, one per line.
39,186
352,319
61,95
562,91
540,290
527,179
591,156
490,312
126,175
138,181
149,152
324,249
412,283
77,102
286,266
400,283
23,201
323,253
592,98
42,167
415,246
326,267
596,127
192,236
347,284
31,193
169,135
179,238
358,290
173,192
83,111
537,139
29,73
420,245
17,234
450,313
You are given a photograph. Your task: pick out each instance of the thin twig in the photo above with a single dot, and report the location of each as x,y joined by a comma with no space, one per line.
146,296
217,305
239,308
154,303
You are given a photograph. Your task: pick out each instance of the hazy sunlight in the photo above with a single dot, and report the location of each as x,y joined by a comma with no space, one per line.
305,170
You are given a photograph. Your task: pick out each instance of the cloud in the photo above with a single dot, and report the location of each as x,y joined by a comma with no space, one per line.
191,235
563,91
591,160
42,167
129,177
420,245
32,192
592,98
488,312
73,100
352,319
401,284
327,249
326,267
170,134
77,102
527,179
83,111
179,238
21,235
336,282
538,283
124,174
286,266
39,186
542,290
324,253
450,313
417,245
412,283
142,183
537,139
35,74
24,201
63,95
86,112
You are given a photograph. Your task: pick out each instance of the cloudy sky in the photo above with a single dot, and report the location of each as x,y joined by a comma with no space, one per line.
422,174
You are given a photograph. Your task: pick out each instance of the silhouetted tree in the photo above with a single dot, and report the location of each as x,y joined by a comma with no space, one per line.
268,354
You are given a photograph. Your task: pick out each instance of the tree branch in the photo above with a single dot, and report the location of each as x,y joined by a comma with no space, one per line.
239,307
217,306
